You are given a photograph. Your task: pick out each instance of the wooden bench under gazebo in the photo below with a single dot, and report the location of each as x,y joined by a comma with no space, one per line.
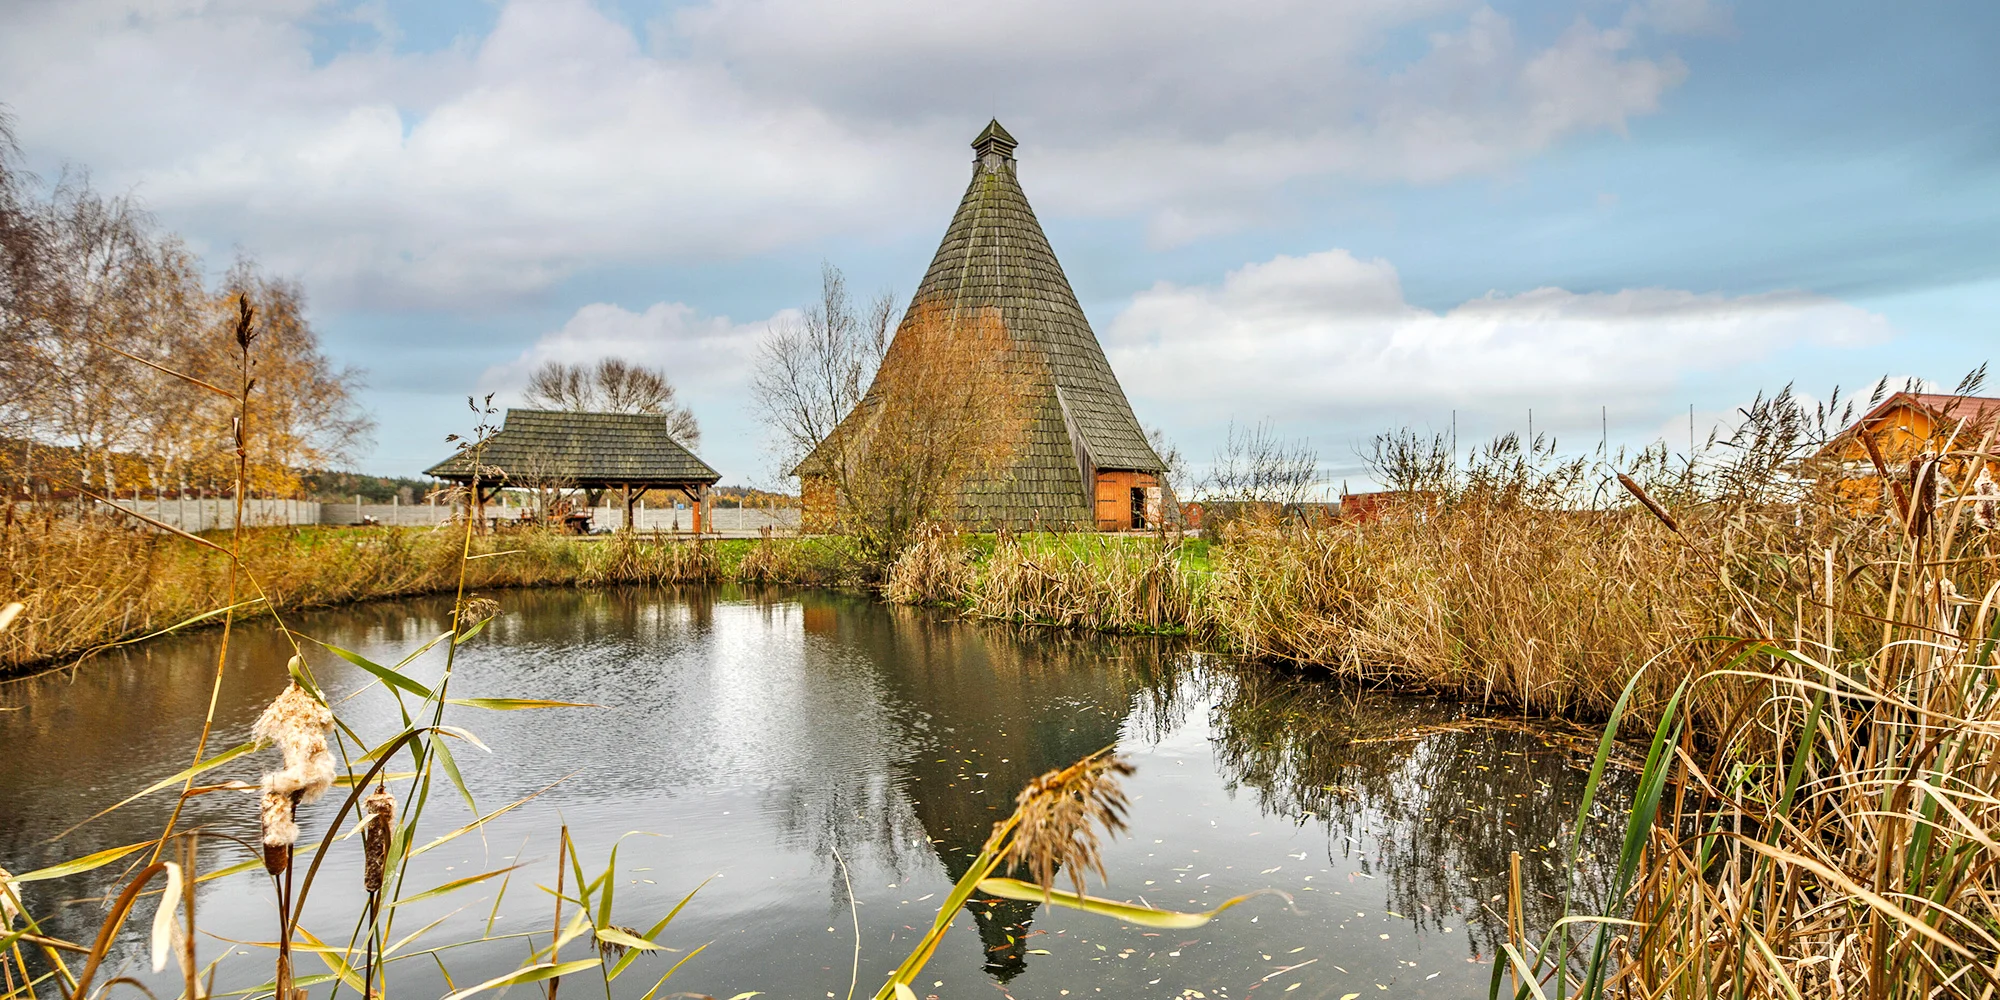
630,453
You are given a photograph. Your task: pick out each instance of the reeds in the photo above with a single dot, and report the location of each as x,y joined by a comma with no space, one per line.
1104,584
1550,609
87,583
935,570
1819,815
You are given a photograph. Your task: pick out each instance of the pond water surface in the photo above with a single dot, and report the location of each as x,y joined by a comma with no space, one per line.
750,737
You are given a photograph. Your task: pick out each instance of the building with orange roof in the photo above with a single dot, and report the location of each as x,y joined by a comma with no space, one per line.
1904,429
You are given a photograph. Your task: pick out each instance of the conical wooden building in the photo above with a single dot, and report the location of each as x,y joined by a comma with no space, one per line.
1080,458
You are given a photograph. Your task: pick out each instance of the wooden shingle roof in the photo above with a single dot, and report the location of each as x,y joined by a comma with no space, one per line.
995,255
585,449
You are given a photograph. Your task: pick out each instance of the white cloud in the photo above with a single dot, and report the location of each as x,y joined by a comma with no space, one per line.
1328,343
496,167
696,351
484,171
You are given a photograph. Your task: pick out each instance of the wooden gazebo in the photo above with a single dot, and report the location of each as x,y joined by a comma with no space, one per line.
595,452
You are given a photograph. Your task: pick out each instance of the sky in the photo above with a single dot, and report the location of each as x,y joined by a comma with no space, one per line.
1340,216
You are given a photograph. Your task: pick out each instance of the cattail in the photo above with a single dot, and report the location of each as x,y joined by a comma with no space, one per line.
1986,506
1923,495
281,830
297,723
380,826
1639,493
1058,812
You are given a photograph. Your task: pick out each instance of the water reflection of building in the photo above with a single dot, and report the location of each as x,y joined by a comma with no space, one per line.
989,709
1410,791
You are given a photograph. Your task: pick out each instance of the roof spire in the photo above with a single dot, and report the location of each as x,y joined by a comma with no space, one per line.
994,141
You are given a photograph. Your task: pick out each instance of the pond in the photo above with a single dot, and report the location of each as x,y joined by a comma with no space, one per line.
777,748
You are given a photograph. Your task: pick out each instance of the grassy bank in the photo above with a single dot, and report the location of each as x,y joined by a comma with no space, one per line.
1548,608
92,582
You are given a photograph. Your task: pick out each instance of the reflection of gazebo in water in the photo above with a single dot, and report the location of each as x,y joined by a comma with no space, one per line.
593,452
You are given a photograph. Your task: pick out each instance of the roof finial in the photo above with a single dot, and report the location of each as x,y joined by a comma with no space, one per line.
994,140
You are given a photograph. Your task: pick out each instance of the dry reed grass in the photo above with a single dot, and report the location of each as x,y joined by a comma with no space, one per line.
934,570
1105,584
90,582
1819,808
1551,610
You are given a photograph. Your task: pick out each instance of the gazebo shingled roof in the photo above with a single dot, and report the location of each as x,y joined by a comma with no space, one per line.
995,255
591,450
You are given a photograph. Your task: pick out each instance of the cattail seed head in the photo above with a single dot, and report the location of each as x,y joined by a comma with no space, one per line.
1986,505
376,831
297,724
1058,815
281,830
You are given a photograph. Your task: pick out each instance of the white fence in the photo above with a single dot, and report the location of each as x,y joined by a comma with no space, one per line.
401,514
220,513
732,521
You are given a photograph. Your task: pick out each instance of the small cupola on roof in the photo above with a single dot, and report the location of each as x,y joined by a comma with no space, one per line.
994,147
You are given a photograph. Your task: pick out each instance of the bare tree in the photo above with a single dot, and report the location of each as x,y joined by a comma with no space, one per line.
813,370
613,385
942,415
23,249
1257,466
96,256
549,480
93,296
1409,462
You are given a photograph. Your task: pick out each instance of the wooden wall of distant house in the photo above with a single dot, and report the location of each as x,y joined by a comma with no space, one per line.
1114,499
1901,434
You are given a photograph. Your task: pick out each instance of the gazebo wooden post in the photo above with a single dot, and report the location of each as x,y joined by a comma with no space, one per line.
629,526
701,515
694,507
